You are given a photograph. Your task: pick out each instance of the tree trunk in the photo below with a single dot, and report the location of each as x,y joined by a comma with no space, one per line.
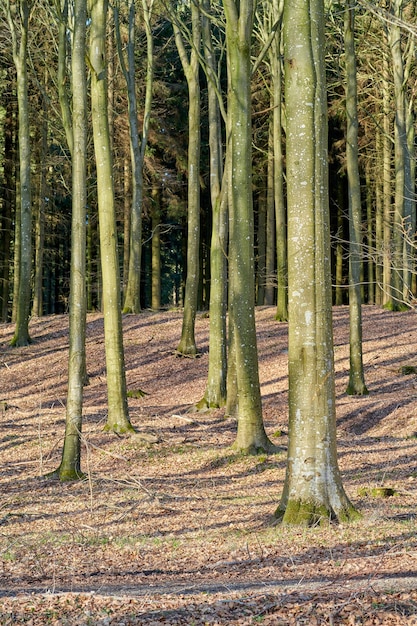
156,250
313,489
137,146
70,467
387,188
379,225
187,345
215,392
251,436
400,274
280,211
356,384
270,254
37,306
21,336
118,418
6,220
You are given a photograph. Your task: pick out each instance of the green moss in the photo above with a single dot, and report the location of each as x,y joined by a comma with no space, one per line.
377,492
119,430
136,393
308,514
406,370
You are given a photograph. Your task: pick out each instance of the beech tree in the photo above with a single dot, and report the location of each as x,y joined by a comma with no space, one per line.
356,384
70,467
118,416
190,64
251,435
313,489
18,20
215,392
138,141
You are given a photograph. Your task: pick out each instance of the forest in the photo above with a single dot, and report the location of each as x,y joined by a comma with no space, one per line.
245,169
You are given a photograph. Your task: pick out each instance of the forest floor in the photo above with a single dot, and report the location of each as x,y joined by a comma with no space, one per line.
179,529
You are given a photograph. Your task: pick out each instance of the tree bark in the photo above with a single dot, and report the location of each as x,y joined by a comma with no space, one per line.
251,436
118,417
70,467
356,385
187,345
280,210
21,335
137,146
313,490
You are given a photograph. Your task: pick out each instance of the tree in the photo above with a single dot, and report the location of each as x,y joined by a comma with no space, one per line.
251,435
403,192
215,393
313,489
118,417
356,384
70,466
18,16
190,64
137,145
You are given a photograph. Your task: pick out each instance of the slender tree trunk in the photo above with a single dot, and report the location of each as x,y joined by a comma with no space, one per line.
387,187
270,250
127,218
339,247
6,220
215,392
70,466
37,306
156,250
118,418
21,336
251,435
370,221
379,225
137,145
62,10
260,273
400,274
280,210
313,489
356,384
187,345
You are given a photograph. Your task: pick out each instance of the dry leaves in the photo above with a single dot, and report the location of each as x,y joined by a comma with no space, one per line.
172,527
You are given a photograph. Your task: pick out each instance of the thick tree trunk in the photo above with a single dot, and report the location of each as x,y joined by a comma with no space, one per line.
313,489
118,418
